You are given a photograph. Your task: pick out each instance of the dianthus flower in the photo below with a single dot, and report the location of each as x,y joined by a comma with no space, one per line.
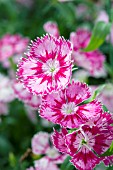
92,61
44,164
41,145
86,144
11,45
6,90
28,98
47,66
51,28
65,107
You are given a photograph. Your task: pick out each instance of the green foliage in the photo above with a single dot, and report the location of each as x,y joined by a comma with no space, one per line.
99,33
67,164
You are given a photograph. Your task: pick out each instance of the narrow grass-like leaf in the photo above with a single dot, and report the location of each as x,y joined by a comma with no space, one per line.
100,31
109,152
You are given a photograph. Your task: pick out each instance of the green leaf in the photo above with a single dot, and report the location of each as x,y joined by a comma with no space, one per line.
95,94
109,151
67,164
100,31
111,15
98,91
105,108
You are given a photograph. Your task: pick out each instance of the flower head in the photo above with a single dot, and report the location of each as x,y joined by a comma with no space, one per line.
64,107
44,164
11,45
51,28
86,144
48,65
6,90
34,101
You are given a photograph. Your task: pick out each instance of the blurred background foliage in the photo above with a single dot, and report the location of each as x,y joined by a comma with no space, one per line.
27,19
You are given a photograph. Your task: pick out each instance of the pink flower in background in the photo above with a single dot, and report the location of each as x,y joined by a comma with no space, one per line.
31,168
31,113
41,145
102,16
21,93
51,28
63,107
11,45
3,108
91,61
6,89
105,96
44,164
48,65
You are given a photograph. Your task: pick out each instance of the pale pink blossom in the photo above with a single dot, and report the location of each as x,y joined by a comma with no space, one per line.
48,65
40,143
28,98
11,45
64,107
51,28
31,113
3,108
102,16
6,90
106,96
44,164
91,61
31,168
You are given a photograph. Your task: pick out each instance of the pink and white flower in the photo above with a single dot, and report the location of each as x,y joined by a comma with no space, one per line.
11,45
48,65
28,98
44,164
86,144
30,168
40,143
106,96
6,90
64,107
51,28
91,61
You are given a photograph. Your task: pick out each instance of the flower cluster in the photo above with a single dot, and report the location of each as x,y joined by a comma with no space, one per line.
92,61
41,146
86,129
12,45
